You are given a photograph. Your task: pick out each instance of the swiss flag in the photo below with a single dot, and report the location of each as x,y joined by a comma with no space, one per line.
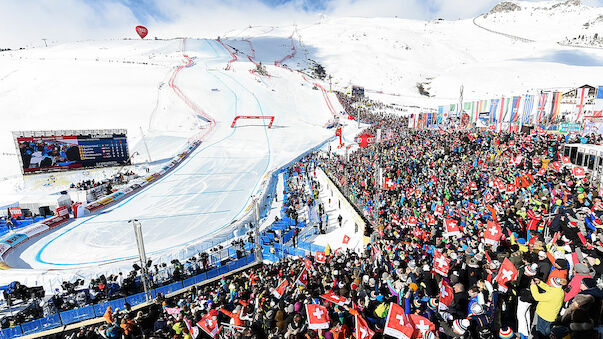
303,278
421,325
439,210
362,329
488,197
566,160
395,220
471,207
389,184
209,324
507,273
318,316
492,233
556,166
430,219
473,186
346,239
541,171
535,162
320,257
335,299
307,263
452,227
412,221
441,264
579,172
510,188
397,323
446,293
280,290
501,185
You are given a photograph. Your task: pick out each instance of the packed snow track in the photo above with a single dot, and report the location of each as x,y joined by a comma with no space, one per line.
192,207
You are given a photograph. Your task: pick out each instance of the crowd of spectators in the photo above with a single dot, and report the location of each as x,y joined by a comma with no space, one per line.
476,235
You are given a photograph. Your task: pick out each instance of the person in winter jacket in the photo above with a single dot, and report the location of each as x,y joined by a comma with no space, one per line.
296,328
549,303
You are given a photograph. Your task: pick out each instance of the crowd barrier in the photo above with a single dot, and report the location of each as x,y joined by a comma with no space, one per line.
95,311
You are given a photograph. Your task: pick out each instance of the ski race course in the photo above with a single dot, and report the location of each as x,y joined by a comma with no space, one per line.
199,203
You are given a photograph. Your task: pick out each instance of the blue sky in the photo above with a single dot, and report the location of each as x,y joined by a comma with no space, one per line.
24,22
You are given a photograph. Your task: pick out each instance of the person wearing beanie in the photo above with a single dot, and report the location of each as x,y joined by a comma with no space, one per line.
549,301
580,272
505,333
460,326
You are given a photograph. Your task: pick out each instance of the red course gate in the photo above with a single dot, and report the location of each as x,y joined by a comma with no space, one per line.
271,117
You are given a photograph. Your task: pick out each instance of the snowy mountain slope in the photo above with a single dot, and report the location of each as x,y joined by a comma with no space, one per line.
550,21
394,55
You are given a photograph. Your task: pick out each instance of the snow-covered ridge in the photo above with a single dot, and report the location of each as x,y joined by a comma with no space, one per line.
551,21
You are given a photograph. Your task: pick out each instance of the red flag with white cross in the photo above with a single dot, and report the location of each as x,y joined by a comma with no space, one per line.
318,316
346,239
412,221
506,273
452,227
566,160
335,299
421,325
439,210
303,278
579,172
492,233
280,290
362,329
320,257
209,324
441,264
397,323
446,293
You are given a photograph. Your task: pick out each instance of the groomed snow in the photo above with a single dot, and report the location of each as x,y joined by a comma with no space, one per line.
194,204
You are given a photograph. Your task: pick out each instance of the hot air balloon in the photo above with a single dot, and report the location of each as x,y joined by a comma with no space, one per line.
142,31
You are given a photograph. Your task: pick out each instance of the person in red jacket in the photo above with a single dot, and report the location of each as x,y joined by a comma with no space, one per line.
236,314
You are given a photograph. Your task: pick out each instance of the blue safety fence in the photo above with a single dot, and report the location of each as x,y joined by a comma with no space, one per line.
167,289
39,325
76,315
11,332
98,310
136,299
310,247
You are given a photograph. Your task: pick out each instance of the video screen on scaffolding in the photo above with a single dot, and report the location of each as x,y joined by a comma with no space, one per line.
70,150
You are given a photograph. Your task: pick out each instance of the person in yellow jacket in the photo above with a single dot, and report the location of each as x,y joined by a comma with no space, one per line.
549,302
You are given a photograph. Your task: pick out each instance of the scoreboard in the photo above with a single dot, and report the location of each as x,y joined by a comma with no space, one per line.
48,151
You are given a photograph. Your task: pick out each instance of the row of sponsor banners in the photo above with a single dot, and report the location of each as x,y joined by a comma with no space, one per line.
581,105
10,240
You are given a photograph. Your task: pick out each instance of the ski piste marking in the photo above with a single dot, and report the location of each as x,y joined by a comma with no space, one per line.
38,257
